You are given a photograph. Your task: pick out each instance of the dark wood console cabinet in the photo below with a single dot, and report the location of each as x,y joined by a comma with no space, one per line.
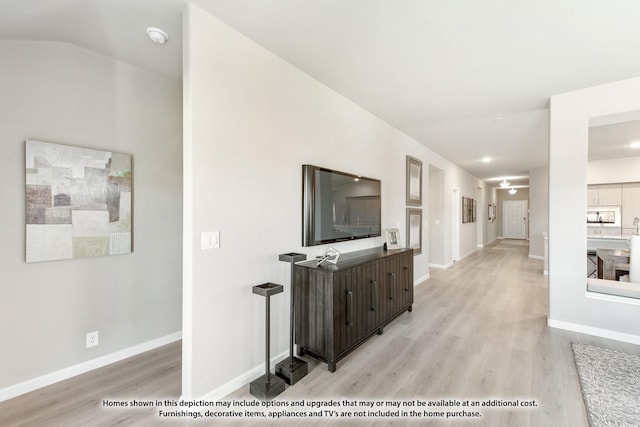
337,307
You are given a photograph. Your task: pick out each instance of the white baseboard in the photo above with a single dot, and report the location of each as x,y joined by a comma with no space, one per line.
441,266
536,257
240,381
483,245
598,332
469,254
81,368
422,279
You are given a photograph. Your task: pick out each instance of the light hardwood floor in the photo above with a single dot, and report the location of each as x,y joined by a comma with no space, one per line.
477,332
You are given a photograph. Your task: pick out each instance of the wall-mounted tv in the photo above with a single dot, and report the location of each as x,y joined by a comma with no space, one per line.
338,206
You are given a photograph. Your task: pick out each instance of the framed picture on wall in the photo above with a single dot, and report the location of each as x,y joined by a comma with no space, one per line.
414,181
414,230
473,210
468,210
78,202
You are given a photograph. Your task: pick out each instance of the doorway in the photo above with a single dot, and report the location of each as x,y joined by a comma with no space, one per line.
515,219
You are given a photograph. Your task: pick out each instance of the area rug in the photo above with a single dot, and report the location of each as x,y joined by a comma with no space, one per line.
610,382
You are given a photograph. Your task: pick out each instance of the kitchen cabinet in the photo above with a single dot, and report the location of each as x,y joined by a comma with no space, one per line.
604,195
338,307
604,231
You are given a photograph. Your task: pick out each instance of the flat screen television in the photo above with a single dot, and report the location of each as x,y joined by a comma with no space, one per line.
338,206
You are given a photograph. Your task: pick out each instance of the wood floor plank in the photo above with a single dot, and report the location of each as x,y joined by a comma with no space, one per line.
477,332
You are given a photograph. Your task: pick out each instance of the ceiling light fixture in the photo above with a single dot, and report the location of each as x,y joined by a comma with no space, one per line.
157,35
513,191
504,183
635,144
486,159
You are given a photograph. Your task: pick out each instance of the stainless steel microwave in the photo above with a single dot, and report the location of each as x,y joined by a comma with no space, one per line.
605,216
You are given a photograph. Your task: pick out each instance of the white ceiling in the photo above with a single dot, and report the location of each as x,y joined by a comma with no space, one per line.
466,78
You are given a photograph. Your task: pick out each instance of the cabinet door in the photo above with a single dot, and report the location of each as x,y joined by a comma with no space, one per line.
372,286
594,231
609,194
611,231
351,318
406,292
592,195
344,303
630,205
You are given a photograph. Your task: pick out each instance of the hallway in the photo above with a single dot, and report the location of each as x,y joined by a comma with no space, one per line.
477,332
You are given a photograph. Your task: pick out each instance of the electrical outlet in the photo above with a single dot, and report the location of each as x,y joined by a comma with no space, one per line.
92,339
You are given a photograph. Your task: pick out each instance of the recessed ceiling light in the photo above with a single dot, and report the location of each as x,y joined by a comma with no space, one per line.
157,35
635,144
486,159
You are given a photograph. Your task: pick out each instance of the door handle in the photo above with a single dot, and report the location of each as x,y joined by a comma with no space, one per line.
374,285
406,283
350,308
393,287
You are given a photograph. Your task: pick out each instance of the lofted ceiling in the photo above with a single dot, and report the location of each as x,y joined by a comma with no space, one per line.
467,79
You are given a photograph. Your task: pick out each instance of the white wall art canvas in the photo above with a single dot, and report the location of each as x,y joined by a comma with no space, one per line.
78,202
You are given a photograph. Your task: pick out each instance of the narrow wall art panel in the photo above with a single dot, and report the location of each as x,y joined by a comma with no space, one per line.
78,202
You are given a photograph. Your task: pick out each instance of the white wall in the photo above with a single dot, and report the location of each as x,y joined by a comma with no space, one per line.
538,210
60,93
436,222
251,121
570,306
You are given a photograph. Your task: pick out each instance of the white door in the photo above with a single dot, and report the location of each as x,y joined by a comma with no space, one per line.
515,219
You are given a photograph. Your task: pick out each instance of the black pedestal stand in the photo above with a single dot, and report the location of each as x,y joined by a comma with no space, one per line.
292,369
267,386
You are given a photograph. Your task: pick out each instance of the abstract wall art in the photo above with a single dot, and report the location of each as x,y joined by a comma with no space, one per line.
78,202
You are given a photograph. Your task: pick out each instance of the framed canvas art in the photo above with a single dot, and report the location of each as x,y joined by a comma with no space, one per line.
78,202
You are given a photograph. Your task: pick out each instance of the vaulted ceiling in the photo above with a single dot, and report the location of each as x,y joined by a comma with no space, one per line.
468,79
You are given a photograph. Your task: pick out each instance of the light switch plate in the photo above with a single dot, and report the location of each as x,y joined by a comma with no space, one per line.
210,240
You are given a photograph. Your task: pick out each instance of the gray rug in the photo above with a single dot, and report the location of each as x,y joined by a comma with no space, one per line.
610,383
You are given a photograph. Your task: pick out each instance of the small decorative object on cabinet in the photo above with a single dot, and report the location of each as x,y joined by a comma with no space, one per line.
392,238
340,306
292,369
267,386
